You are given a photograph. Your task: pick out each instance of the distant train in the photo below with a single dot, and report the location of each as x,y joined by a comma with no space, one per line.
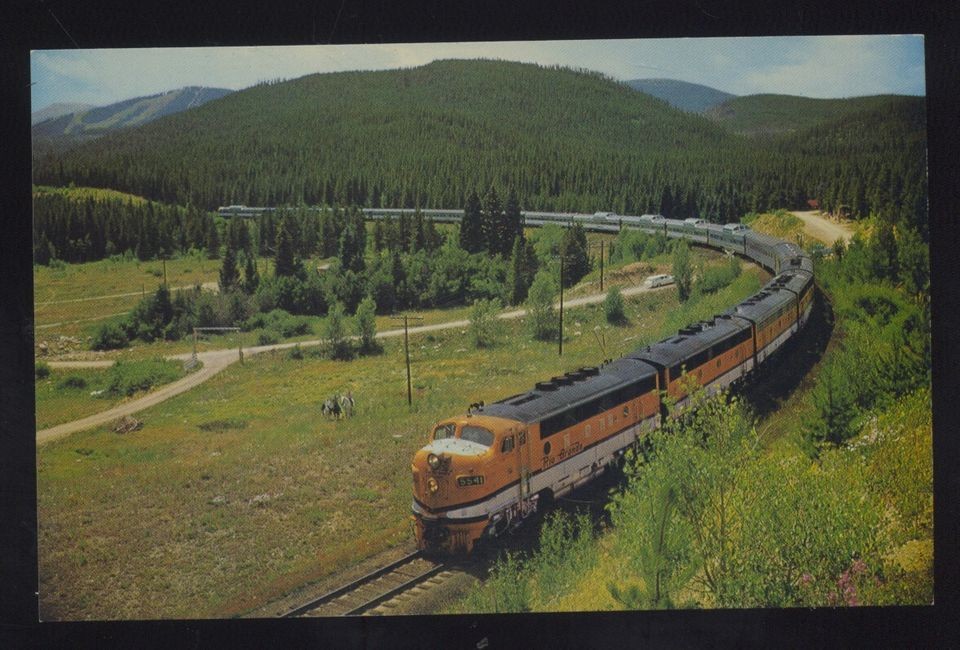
765,250
485,471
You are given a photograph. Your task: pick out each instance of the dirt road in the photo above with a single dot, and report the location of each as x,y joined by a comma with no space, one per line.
216,360
206,286
819,227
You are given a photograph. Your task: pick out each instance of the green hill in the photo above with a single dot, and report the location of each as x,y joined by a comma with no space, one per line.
763,115
424,135
427,136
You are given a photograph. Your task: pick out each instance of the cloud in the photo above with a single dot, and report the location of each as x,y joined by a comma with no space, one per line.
840,66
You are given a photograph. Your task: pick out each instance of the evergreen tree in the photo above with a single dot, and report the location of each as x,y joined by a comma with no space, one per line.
350,253
914,262
163,308
884,245
399,275
229,274
285,263
419,240
522,269
251,278
576,261
512,220
378,236
491,224
213,242
471,227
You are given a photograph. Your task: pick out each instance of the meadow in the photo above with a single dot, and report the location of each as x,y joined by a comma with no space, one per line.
239,491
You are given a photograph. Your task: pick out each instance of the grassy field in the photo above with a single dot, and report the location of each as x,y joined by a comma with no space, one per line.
73,300
238,491
69,394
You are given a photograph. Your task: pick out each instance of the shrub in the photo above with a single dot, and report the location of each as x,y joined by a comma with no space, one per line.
338,347
367,326
267,337
110,336
613,306
682,269
718,277
128,377
281,322
483,321
41,370
295,353
72,381
566,554
507,589
543,322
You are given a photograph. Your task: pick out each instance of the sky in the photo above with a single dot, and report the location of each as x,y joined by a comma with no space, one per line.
812,66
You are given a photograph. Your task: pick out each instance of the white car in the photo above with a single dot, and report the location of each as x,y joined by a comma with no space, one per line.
658,280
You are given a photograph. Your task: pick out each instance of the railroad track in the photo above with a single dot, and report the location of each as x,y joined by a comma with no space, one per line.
365,594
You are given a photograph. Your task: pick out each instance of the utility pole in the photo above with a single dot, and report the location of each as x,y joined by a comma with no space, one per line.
561,304
601,265
406,352
164,260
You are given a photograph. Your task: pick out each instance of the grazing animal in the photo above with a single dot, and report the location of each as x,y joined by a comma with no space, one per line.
347,404
331,407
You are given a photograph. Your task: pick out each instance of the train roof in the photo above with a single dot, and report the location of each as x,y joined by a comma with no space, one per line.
569,390
761,303
690,340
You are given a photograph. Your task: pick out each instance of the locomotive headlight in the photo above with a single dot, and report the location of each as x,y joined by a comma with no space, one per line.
432,485
433,461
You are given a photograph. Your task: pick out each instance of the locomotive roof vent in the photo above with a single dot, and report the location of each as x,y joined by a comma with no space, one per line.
574,375
562,380
590,371
545,385
526,398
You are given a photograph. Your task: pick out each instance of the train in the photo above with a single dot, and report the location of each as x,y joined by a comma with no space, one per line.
485,471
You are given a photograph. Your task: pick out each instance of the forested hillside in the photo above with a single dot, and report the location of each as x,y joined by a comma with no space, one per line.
428,136
872,159
766,114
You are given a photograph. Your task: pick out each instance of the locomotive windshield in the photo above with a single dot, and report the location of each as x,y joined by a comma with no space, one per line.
478,435
444,431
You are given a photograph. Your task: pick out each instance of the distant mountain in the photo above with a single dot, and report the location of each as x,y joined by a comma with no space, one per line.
766,115
56,110
130,112
686,96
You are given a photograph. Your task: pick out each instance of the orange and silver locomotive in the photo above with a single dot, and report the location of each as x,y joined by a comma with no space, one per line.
484,472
